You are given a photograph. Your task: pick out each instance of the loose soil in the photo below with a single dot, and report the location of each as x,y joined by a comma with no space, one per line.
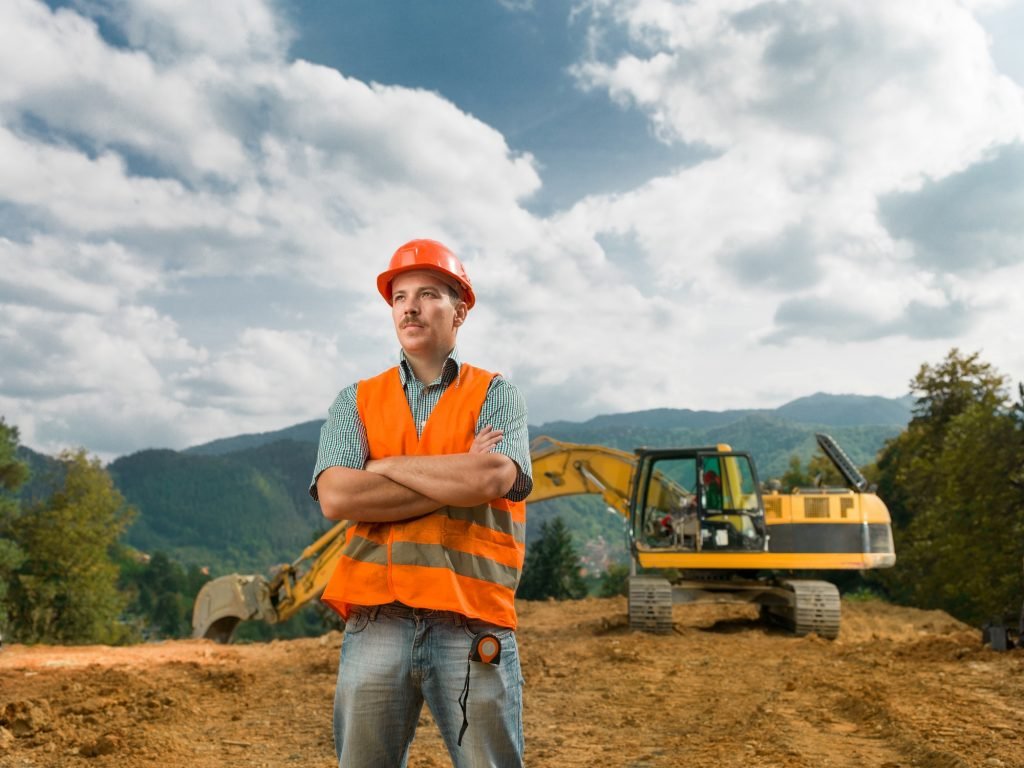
898,688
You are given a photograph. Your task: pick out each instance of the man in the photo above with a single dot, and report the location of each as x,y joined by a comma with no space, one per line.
430,460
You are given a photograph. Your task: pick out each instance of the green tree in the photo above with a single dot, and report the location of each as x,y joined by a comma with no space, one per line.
65,590
796,475
12,474
552,567
942,392
820,472
952,481
615,581
160,593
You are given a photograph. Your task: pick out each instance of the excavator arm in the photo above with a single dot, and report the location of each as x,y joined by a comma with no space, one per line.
226,601
568,469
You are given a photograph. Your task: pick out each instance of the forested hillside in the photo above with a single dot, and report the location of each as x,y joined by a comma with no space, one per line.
247,509
306,432
952,477
241,503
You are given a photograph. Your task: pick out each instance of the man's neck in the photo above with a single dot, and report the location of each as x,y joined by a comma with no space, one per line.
426,368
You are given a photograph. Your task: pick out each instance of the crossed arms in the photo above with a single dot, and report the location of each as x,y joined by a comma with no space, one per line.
402,487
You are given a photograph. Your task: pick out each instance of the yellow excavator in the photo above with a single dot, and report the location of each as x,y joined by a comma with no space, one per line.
697,513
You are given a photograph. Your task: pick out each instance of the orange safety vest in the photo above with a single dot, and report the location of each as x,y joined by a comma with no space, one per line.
462,559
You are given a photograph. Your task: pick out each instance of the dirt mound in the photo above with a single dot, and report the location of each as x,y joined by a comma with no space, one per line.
899,687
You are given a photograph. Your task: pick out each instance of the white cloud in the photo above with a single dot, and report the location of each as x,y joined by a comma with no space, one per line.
194,149
63,79
817,109
225,30
987,6
64,187
268,371
815,112
71,276
199,150
869,78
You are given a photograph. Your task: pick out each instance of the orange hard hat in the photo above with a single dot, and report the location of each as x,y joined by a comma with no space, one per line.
426,254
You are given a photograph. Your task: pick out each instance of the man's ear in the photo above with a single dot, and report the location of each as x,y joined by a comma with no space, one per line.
460,313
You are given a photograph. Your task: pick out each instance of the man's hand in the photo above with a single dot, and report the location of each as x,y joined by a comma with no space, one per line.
485,440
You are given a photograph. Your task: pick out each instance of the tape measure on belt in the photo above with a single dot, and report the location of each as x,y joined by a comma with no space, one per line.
485,649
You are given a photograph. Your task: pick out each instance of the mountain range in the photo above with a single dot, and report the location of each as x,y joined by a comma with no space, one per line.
242,502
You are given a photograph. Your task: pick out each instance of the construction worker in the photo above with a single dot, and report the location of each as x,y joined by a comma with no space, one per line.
431,461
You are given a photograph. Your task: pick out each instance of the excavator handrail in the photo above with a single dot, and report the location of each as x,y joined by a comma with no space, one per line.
843,463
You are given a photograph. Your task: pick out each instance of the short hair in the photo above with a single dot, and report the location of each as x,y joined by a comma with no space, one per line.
454,295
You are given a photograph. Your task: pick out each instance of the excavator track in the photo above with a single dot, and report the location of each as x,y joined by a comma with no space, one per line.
650,604
814,608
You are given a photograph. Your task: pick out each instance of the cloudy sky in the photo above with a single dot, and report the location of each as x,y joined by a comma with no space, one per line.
708,204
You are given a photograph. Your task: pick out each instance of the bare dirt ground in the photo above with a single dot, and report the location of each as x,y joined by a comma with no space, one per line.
899,687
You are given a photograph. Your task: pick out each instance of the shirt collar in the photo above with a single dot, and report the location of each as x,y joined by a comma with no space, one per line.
451,371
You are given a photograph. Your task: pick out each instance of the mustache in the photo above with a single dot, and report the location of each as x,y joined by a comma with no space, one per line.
411,321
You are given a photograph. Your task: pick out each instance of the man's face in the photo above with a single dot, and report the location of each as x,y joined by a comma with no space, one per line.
425,319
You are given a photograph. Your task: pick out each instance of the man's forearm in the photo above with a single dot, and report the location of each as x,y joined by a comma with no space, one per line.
355,494
460,479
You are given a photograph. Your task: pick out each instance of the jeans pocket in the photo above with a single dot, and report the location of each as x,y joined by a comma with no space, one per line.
357,621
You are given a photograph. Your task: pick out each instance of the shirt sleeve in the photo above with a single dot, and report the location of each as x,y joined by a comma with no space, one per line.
505,409
342,438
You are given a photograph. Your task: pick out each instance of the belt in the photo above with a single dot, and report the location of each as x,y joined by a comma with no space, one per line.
405,611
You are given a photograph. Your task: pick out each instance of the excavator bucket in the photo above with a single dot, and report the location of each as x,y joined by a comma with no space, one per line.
224,602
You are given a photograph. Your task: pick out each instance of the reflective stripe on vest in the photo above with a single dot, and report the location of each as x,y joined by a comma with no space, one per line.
464,559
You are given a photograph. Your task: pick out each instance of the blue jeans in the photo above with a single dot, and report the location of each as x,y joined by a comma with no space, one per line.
393,658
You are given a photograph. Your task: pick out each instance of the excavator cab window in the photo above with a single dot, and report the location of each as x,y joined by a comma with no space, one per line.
669,515
731,514
700,502
727,484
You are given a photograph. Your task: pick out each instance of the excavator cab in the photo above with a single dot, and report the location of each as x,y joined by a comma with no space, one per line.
697,500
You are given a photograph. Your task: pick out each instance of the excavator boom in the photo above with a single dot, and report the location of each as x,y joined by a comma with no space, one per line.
568,469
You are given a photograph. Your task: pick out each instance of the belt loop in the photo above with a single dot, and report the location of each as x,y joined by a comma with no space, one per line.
374,610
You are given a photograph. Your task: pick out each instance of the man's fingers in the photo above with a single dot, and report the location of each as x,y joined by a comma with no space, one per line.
486,439
489,433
